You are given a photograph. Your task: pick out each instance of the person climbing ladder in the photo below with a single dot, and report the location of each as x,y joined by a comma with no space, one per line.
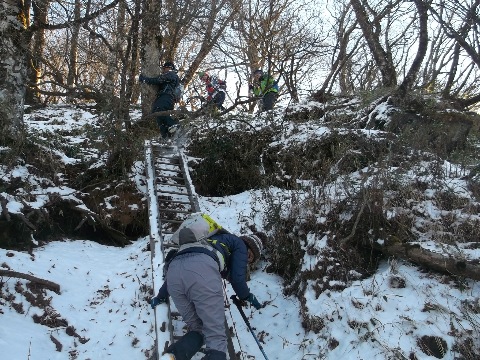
194,281
166,84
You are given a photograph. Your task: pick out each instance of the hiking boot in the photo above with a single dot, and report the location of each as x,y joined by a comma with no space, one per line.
215,355
172,129
186,347
167,356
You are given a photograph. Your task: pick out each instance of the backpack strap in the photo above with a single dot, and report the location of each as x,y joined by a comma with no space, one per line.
203,249
214,242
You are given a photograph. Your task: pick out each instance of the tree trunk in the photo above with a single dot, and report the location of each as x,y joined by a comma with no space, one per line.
453,71
40,12
13,69
383,59
411,76
133,41
115,78
432,260
72,64
152,49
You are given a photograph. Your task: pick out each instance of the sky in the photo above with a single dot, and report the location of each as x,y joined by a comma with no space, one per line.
102,294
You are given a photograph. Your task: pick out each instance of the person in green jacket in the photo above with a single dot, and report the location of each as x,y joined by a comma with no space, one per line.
266,87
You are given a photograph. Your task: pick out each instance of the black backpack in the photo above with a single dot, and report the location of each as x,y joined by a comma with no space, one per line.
222,84
178,92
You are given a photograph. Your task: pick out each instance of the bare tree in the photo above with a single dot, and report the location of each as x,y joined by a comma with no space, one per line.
466,39
130,70
189,31
73,58
372,30
439,60
90,49
411,76
341,51
66,75
218,15
13,68
40,12
152,45
277,37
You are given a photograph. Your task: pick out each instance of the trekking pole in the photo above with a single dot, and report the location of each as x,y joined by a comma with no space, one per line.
238,303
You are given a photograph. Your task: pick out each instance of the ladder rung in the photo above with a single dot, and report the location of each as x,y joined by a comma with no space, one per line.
171,177
168,184
159,145
171,193
170,170
174,201
170,156
169,245
168,163
171,221
175,211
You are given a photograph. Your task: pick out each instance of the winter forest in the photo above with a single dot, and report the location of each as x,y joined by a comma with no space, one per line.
83,51
363,182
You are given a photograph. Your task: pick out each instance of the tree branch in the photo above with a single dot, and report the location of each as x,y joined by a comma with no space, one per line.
68,24
48,284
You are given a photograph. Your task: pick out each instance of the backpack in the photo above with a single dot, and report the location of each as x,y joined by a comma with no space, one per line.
275,86
202,225
222,84
272,85
178,92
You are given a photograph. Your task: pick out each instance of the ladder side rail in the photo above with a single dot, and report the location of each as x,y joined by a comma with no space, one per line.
188,181
193,200
196,206
163,333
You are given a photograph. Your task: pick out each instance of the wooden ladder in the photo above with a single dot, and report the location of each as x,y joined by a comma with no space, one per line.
172,198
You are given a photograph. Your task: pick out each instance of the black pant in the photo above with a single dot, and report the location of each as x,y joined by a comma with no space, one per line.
269,100
164,102
216,102
218,99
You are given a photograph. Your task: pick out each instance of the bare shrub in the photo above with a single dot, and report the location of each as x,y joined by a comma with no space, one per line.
433,346
50,318
229,163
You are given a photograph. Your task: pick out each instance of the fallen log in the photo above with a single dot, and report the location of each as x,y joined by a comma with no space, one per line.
48,284
442,262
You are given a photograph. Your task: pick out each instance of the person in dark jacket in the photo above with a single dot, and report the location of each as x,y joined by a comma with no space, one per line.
194,281
165,101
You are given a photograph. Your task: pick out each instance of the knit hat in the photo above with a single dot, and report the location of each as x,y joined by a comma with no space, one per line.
201,74
255,244
170,65
187,235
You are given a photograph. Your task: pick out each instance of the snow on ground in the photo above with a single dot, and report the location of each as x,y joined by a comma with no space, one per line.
103,297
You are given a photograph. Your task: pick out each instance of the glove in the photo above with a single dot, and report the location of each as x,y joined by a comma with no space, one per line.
141,78
253,301
156,301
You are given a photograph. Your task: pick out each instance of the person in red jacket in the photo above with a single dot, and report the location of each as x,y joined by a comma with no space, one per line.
216,89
